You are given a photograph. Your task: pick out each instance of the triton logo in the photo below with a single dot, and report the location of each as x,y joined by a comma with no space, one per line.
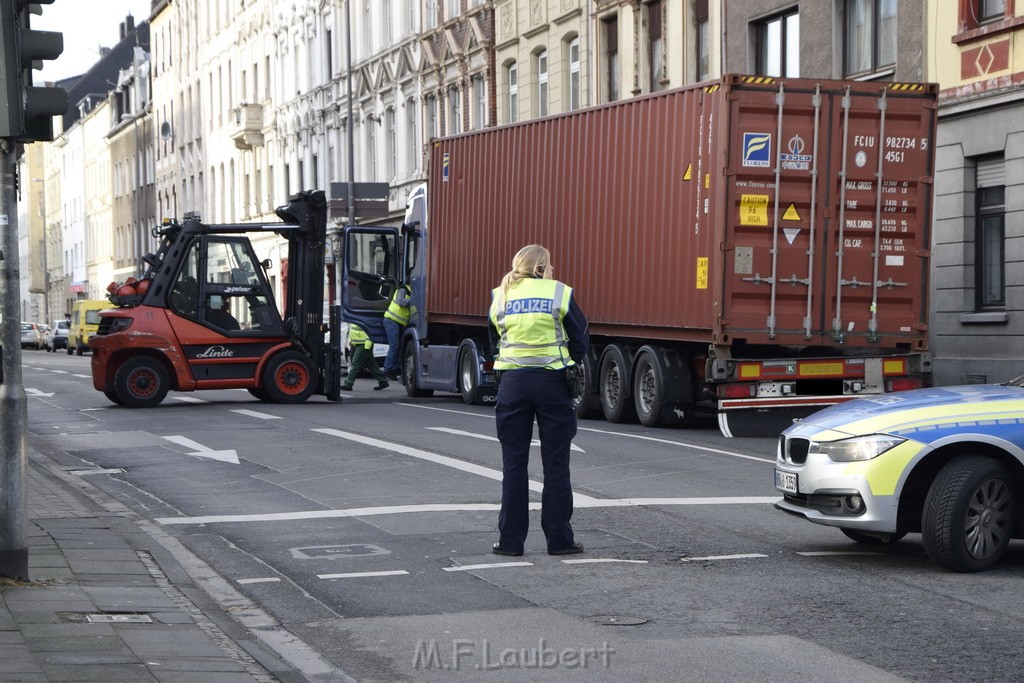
216,352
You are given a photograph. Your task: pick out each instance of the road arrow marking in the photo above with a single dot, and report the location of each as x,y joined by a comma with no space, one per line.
535,443
201,451
188,399
492,565
36,392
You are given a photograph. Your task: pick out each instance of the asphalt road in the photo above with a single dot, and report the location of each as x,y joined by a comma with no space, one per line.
365,528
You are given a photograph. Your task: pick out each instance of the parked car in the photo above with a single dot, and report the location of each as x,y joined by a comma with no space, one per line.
57,335
31,336
947,463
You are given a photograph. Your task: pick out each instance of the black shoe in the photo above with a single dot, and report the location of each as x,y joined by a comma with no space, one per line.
392,375
498,550
575,548
381,385
345,387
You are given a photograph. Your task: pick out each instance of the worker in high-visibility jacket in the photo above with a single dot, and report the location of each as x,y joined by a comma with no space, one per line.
362,356
537,333
396,317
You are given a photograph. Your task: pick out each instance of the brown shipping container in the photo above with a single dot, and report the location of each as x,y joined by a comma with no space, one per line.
772,211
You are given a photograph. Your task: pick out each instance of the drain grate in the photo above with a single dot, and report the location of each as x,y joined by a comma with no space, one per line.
616,620
105,618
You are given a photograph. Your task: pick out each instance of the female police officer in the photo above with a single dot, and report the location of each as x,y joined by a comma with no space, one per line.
537,331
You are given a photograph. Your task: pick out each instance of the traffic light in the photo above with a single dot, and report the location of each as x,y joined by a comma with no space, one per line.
27,111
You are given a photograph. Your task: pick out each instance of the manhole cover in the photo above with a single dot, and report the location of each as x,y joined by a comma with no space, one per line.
119,618
617,620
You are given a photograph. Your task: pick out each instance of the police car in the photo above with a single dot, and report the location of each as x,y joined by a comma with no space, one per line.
947,463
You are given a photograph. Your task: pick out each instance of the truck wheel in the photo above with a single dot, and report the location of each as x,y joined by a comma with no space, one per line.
69,349
871,539
289,378
259,393
409,375
472,394
969,514
589,404
141,383
648,390
614,386
113,397
78,347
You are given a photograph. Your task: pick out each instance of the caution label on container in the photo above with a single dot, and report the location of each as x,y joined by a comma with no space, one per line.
753,209
702,272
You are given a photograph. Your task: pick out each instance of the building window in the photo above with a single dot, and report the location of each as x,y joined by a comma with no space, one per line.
431,104
479,102
870,34
386,24
512,75
655,46
411,146
391,142
703,42
454,110
610,29
777,42
989,10
989,232
453,8
542,83
328,55
573,54
429,13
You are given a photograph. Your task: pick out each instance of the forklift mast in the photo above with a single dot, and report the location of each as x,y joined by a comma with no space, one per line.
303,308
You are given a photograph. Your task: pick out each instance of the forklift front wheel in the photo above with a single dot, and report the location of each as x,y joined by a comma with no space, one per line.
141,382
289,378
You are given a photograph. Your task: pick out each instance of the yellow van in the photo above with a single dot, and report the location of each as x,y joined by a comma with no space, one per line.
85,321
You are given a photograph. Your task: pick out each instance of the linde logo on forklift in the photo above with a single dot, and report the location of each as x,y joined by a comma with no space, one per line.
529,306
216,352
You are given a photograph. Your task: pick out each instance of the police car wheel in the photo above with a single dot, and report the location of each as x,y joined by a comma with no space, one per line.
969,514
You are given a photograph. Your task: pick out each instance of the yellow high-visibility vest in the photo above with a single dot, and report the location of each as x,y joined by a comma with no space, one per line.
530,325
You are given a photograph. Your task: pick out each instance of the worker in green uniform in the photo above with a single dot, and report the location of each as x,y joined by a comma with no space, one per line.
362,356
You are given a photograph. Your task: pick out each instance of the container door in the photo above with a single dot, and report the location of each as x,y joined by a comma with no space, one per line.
830,202
370,273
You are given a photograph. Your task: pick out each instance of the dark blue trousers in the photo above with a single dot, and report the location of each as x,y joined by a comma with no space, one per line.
394,332
522,396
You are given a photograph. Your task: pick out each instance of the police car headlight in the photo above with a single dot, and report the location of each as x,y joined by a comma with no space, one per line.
858,448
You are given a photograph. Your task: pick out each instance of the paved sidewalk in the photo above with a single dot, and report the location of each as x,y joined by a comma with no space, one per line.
107,602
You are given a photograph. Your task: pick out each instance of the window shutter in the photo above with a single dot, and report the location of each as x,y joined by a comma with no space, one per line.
991,173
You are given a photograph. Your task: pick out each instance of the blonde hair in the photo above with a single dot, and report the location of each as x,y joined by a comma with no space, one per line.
532,260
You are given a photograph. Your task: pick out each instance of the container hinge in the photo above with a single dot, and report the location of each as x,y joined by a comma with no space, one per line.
794,281
855,283
889,284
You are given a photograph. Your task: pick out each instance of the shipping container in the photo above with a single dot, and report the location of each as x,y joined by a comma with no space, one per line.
753,246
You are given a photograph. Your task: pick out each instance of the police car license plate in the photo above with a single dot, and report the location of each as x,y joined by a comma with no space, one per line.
785,481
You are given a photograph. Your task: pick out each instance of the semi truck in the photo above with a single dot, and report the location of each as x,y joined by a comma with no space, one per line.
753,248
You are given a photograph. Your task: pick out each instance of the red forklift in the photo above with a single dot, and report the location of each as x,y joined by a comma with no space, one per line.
204,316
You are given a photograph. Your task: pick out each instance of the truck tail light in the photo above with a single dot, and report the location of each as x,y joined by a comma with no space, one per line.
903,384
737,391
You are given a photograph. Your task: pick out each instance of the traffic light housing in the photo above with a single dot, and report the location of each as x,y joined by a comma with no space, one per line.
27,111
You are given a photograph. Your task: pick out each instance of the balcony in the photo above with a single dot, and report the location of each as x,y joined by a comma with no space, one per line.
247,126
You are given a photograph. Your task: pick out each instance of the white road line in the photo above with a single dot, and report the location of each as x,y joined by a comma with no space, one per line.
746,556
269,579
493,565
836,553
83,376
359,575
188,399
446,507
679,443
489,416
486,437
435,458
596,560
60,372
254,413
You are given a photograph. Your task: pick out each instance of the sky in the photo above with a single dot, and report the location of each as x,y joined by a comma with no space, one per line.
87,25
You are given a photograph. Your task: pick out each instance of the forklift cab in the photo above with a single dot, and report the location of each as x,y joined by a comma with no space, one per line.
221,285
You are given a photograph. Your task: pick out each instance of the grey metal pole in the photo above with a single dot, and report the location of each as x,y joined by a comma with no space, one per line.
351,123
13,402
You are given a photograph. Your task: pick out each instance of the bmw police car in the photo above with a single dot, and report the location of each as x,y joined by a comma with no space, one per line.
947,463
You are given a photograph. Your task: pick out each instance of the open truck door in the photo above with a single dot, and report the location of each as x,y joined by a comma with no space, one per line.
371,271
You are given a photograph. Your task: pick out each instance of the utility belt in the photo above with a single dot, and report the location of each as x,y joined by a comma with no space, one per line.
573,377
